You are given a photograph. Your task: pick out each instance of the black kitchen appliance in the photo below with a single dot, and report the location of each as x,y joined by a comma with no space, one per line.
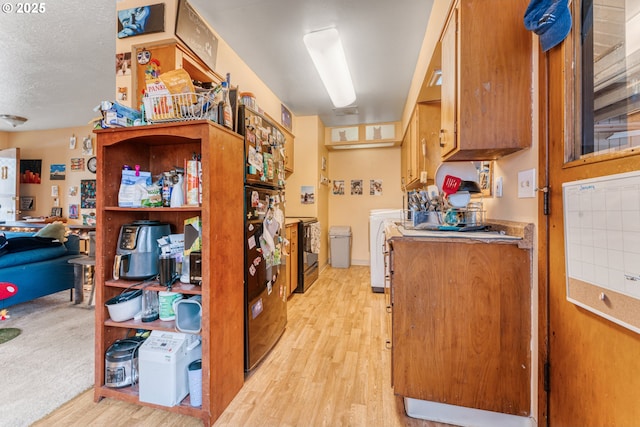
264,255
307,255
138,250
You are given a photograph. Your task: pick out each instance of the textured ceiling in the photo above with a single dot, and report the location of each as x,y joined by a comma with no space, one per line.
56,66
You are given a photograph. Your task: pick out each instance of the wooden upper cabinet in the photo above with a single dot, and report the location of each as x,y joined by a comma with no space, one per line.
171,56
420,151
288,152
486,80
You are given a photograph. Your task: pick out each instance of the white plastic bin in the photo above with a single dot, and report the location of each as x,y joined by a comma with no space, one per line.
340,237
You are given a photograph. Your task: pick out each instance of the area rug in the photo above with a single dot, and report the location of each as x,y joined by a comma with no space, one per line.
49,363
7,334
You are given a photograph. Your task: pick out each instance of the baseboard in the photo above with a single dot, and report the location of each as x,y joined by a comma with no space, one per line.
462,416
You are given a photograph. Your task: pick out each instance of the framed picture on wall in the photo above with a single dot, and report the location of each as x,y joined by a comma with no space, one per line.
27,203
56,211
141,20
194,32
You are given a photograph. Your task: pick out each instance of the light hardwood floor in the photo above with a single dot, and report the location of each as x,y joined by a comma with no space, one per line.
330,368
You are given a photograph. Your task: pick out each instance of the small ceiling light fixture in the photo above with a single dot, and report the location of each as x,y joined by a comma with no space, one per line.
328,56
13,120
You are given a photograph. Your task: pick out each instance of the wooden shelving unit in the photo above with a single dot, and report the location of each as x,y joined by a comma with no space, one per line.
158,148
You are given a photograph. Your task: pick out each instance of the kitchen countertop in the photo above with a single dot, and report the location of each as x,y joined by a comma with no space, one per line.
500,232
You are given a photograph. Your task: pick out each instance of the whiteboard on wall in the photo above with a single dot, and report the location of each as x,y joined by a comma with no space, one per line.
602,246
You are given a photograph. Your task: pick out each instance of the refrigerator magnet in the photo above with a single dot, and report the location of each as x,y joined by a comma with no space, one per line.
252,270
251,242
256,309
269,288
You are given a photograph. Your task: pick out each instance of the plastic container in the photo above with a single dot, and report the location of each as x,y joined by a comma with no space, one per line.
195,382
189,314
340,237
248,99
125,306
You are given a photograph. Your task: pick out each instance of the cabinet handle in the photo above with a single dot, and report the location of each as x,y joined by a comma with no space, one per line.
441,138
387,344
388,309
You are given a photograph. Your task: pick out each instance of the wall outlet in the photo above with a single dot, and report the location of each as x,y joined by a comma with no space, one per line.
423,177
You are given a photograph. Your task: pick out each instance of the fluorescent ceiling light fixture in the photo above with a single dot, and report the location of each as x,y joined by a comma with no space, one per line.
328,56
366,145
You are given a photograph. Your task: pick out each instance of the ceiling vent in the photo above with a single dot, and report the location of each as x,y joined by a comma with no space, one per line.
347,111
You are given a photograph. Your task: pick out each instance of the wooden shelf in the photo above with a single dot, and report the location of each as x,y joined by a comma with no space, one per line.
158,148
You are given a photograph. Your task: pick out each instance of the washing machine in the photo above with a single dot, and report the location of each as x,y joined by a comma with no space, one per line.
377,218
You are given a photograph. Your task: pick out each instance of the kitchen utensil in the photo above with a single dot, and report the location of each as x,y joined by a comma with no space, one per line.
464,170
450,184
470,186
459,199
125,306
150,306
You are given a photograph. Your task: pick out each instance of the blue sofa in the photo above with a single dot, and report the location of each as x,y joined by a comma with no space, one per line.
38,272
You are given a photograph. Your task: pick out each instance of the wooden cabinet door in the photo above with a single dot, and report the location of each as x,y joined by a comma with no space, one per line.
461,324
448,140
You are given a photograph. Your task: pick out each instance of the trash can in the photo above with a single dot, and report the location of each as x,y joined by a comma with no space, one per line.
340,237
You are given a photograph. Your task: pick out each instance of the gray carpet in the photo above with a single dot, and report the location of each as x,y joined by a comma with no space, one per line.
49,363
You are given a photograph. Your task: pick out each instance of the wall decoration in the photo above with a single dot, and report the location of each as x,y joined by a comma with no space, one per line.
57,172
88,194
30,171
56,212
77,164
141,20
123,93
356,187
54,191
92,164
73,190
123,64
307,195
324,163
375,187
338,188
285,117
345,134
27,203
72,142
194,32
73,211
89,218
87,146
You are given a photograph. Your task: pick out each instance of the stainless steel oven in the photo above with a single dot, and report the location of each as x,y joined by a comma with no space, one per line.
309,249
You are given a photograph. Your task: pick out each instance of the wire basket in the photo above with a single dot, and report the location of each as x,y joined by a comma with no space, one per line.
178,107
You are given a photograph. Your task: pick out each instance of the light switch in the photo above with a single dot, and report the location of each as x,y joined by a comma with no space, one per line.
527,184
